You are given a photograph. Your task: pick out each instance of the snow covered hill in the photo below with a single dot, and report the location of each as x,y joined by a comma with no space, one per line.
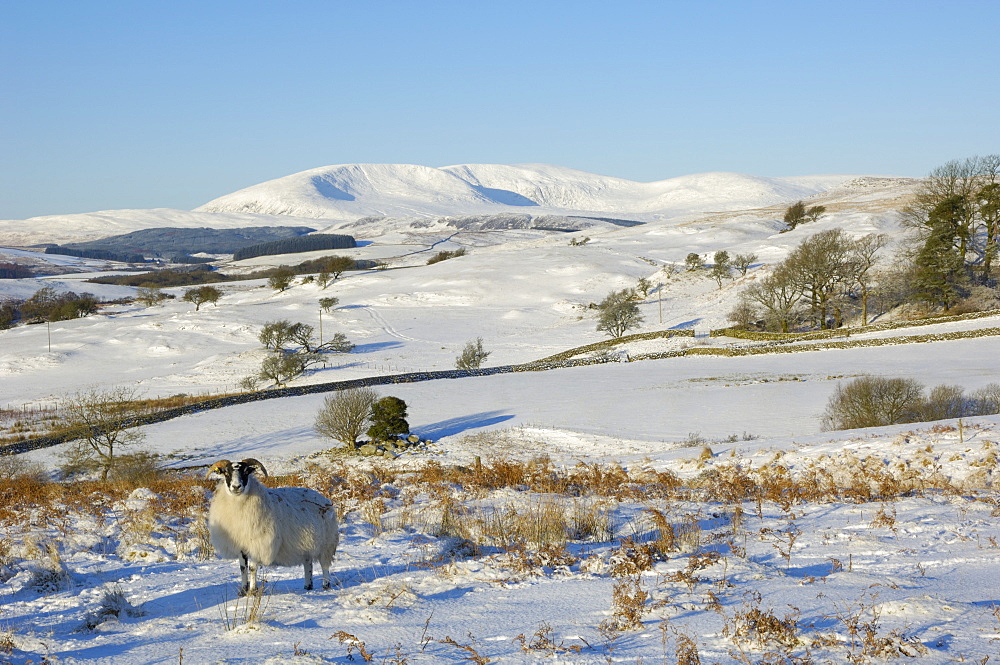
358,190
61,229
384,194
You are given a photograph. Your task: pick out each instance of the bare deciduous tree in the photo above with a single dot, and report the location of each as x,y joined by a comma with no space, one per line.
202,295
644,286
862,257
334,267
281,278
150,295
619,313
742,262
104,422
819,267
778,294
275,334
721,266
345,414
873,401
744,314
285,366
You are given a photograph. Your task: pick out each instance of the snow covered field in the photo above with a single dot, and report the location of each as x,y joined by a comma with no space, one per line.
697,505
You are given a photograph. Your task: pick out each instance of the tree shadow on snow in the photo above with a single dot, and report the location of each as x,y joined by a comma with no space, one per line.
376,346
458,425
270,443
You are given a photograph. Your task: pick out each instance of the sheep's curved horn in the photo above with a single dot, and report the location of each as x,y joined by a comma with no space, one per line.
222,467
255,465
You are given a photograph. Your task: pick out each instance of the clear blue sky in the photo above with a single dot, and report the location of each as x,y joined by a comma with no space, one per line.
169,104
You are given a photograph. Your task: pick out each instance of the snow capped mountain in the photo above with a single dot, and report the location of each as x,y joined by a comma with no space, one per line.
569,189
350,191
357,190
340,195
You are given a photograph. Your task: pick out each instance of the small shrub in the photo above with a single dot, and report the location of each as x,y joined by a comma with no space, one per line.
763,628
445,255
473,355
544,640
16,467
50,574
873,401
114,606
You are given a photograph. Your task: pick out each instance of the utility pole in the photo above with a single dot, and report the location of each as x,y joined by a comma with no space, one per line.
659,294
48,330
321,325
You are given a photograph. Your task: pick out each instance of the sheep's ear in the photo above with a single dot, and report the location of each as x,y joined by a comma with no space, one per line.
221,468
254,465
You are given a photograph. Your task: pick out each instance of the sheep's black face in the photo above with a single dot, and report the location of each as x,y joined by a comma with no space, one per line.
239,478
233,476
236,475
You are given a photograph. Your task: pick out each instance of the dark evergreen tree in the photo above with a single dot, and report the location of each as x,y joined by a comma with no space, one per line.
940,265
308,243
388,419
100,254
15,271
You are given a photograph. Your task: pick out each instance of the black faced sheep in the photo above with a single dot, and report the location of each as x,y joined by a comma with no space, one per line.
285,526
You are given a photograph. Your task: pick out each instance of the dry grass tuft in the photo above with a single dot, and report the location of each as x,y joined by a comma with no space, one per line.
353,644
628,605
544,641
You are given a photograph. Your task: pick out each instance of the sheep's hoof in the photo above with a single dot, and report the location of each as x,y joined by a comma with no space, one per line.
243,591
326,585
308,587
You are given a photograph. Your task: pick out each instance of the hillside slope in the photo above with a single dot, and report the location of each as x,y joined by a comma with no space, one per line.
358,190
339,195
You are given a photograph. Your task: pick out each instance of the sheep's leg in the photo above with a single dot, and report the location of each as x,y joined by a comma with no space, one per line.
307,566
253,576
324,563
247,586
244,564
